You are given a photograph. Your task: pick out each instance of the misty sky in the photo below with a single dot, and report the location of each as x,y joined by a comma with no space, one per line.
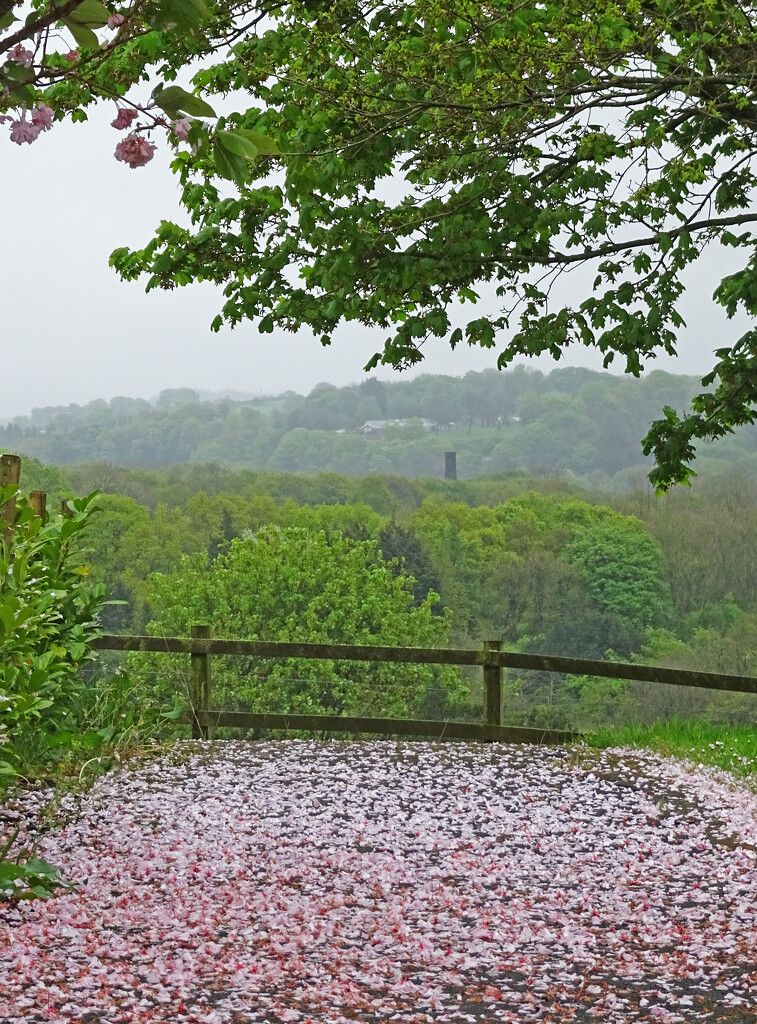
72,332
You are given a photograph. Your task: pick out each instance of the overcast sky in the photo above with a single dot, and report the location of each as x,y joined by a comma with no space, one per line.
73,332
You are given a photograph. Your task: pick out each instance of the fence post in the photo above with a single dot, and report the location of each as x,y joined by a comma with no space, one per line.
200,672
38,501
492,686
10,475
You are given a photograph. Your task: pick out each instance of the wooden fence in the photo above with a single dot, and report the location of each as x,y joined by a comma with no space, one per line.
10,474
491,658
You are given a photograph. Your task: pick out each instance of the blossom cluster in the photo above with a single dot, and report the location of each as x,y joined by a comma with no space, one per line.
20,55
134,150
412,883
28,128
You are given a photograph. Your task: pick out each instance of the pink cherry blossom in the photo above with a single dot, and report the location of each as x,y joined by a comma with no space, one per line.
181,128
135,150
43,116
115,20
19,55
124,117
24,131
72,56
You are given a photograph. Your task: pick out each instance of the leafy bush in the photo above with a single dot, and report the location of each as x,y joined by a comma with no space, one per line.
26,877
303,586
48,618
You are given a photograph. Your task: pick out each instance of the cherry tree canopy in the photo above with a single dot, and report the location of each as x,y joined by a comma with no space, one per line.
431,149
68,54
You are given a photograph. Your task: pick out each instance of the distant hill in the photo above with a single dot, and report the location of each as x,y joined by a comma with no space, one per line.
572,421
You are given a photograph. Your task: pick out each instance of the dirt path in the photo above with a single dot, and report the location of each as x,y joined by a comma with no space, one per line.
395,882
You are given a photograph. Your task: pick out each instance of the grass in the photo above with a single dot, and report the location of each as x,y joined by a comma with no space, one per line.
732,748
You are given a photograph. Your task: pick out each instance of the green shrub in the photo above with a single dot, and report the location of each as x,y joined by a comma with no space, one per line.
48,619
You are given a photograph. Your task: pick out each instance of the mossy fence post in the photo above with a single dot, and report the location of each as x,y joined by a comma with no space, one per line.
492,685
38,501
10,475
201,682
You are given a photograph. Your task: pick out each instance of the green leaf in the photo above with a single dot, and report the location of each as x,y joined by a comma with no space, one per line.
185,15
174,101
90,13
59,739
229,165
90,741
265,145
17,72
83,36
7,20
199,9
7,619
24,95
236,144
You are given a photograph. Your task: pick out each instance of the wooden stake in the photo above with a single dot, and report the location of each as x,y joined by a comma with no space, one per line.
201,682
10,474
492,686
38,501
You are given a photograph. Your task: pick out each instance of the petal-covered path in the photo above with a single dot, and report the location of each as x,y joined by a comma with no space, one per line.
333,882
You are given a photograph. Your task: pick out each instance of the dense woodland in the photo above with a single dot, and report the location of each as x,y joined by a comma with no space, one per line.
576,423
545,565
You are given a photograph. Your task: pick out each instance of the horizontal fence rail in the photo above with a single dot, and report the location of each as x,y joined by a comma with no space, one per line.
431,656
378,726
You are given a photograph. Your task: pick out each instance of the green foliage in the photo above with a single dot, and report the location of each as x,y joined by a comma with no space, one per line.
520,140
579,424
298,584
27,877
159,37
731,748
545,572
402,549
48,617
552,574
625,569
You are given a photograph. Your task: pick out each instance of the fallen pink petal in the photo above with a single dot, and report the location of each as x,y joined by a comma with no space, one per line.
339,882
